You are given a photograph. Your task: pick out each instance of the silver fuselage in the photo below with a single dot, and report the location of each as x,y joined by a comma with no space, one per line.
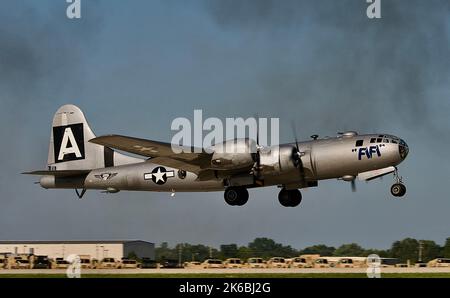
328,158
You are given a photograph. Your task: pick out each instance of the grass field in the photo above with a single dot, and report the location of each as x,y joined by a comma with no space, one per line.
240,275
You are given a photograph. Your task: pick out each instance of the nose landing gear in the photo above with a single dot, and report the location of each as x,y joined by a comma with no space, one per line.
398,189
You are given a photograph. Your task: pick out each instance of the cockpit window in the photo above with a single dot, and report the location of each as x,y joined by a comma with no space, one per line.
372,140
403,149
393,141
379,140
385,141
359,143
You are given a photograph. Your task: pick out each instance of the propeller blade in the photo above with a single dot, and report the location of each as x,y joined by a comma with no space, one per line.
294,132
257,166
257,132
297,157
302,171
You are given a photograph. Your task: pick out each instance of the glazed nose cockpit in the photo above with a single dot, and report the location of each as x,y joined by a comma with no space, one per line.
403,149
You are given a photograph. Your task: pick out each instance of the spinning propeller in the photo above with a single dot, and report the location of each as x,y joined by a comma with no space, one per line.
296,157
257,169
353,185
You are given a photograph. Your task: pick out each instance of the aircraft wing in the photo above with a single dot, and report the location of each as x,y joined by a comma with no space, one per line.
159,152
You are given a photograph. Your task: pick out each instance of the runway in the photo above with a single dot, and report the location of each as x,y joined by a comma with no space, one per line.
226,271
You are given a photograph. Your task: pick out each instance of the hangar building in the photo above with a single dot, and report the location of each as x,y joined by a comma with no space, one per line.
116,249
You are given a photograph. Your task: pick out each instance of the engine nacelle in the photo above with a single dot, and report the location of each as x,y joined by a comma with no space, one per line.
285,159
233,154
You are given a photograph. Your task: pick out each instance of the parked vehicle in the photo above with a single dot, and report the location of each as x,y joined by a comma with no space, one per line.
310,258
359,262
233,263
4,261
171,264
212,263
87,263
41,262
20,263
439,262
59,263
128,264
345,263
193,265
321,263
256,263
277,262
148,263
108,263
299,262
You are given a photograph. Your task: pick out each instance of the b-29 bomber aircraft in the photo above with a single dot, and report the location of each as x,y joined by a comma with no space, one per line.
79,160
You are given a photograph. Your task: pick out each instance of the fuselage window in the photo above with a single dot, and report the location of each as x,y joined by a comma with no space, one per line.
359,143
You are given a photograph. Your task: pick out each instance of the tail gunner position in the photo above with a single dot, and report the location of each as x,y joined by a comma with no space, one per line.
79,160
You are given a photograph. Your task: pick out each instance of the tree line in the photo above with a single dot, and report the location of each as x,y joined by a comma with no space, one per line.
404,250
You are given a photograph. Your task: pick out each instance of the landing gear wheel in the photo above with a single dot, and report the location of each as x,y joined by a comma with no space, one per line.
283,197
398,190
231,196
243,200
289,198
236,196
243,197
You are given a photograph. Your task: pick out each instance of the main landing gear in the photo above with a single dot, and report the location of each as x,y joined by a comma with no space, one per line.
398,189
236,196
289,197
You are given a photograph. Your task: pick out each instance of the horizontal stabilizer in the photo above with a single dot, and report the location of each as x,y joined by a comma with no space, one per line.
62,173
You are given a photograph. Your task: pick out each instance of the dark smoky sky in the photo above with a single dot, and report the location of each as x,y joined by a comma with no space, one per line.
354,63
135,66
